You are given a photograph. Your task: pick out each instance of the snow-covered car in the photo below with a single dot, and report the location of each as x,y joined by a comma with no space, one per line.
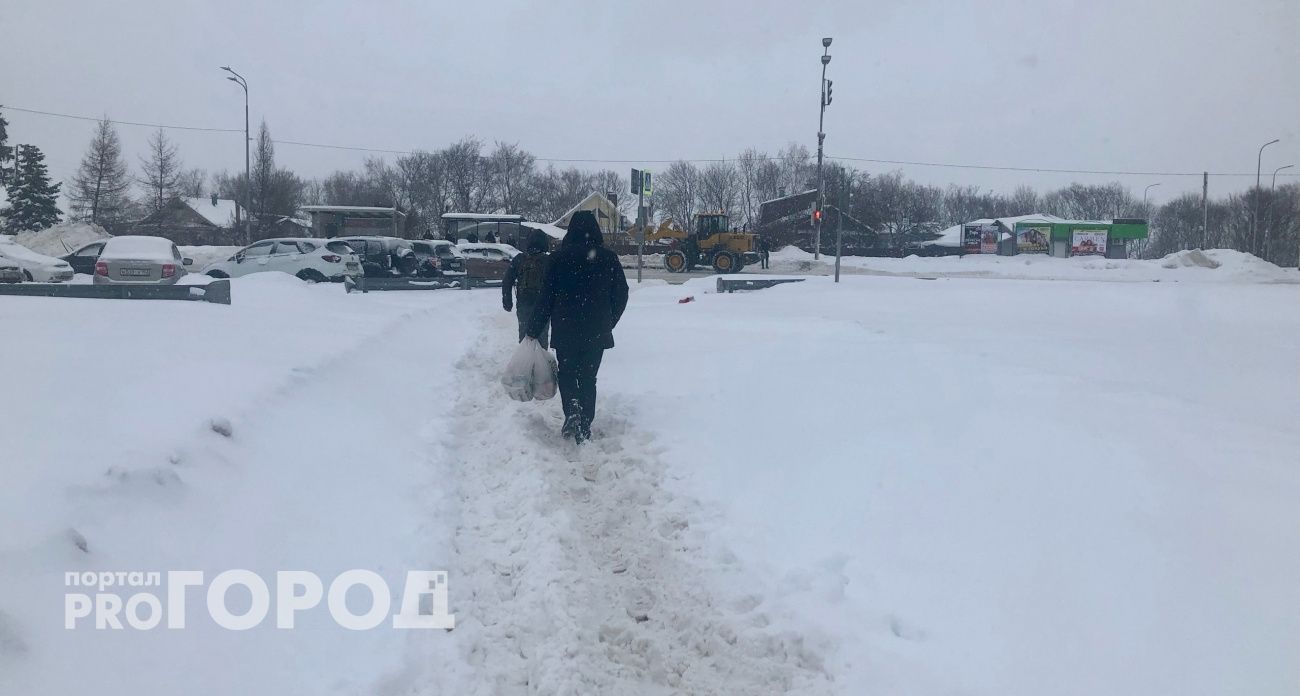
315,260
36,267
384,256
139,260
437,258
10,271
83,260
487,260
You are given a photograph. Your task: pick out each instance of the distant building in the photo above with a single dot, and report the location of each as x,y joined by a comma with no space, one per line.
194,221
607,215
353,220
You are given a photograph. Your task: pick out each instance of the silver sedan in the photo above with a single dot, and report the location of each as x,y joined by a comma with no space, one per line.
135,260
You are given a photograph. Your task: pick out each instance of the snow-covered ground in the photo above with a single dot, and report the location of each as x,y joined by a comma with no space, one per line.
893,485
1213,265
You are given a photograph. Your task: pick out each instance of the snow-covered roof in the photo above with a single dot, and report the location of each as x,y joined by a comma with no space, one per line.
222,214
551,230
595,201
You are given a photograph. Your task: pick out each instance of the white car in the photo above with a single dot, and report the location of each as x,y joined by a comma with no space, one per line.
10,271
36,267
139,260
314,260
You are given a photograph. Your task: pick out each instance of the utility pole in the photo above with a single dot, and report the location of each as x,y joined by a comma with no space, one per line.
641,182
821,138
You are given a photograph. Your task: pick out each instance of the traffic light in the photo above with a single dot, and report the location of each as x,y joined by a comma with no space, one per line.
828,92
817,215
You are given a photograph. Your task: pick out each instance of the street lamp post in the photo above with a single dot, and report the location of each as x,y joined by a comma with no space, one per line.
1275,171
1254,217
248,174
821,137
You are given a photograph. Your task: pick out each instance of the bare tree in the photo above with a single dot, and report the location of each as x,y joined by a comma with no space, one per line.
192,182
464,167
678,191
720,186
161,171
511,170
98,191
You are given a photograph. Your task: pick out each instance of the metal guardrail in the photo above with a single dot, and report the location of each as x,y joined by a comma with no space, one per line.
364,284
218,291
734,284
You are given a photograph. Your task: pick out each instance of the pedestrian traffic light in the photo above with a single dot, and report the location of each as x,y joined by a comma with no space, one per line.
828,92
817,215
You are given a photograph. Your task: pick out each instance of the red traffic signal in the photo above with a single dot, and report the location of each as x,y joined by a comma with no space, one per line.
817,215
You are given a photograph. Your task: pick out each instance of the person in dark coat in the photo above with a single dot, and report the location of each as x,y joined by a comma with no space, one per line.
764,250
526,276
583,297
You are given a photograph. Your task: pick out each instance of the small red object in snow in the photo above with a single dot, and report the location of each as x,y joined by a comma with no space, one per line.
684,300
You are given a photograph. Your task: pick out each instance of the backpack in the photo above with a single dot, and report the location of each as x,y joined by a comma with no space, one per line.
532,275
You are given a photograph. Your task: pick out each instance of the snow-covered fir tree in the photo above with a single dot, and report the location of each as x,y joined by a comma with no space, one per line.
33,198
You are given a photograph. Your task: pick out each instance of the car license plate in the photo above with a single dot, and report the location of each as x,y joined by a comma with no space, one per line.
138,272
352,266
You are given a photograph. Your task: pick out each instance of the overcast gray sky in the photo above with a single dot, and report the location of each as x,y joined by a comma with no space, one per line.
1166,85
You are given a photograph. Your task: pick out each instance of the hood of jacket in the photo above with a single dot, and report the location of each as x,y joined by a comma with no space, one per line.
584,231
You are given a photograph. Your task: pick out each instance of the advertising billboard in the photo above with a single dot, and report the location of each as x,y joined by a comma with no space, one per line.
1088,243
1033,239
989,239
970,238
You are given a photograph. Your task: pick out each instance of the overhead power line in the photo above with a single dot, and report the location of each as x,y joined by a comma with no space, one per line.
596,160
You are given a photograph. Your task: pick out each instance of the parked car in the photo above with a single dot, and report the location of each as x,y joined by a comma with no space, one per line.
36,267
83,260
316,260
484,260
10,271
383,256
437,258
137,260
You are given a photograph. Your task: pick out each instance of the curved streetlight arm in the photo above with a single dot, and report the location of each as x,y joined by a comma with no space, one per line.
1275,171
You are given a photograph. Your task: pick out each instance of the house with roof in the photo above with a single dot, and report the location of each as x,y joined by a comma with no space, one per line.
194,221
607,215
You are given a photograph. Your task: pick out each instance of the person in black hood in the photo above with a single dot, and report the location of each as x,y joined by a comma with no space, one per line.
583,297
526,276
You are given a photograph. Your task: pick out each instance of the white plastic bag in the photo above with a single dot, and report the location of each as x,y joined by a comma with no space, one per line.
544,373
530,374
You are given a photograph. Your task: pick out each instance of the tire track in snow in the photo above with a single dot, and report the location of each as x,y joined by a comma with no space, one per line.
565,585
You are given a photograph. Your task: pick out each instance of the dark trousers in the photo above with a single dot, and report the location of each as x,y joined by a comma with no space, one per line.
577,380
763,257
524,313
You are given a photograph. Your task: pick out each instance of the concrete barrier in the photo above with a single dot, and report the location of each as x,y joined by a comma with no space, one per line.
218,291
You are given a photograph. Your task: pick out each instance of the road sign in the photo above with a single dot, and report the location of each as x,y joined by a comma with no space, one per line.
648,188
636,182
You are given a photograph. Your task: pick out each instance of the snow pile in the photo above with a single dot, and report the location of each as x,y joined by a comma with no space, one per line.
1192,258
1233,266
205,255
62,238
988,487
648,260
116,463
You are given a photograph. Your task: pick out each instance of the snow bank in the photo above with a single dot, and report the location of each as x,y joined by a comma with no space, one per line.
114,462
1234,267
205,255
62,238
988,487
